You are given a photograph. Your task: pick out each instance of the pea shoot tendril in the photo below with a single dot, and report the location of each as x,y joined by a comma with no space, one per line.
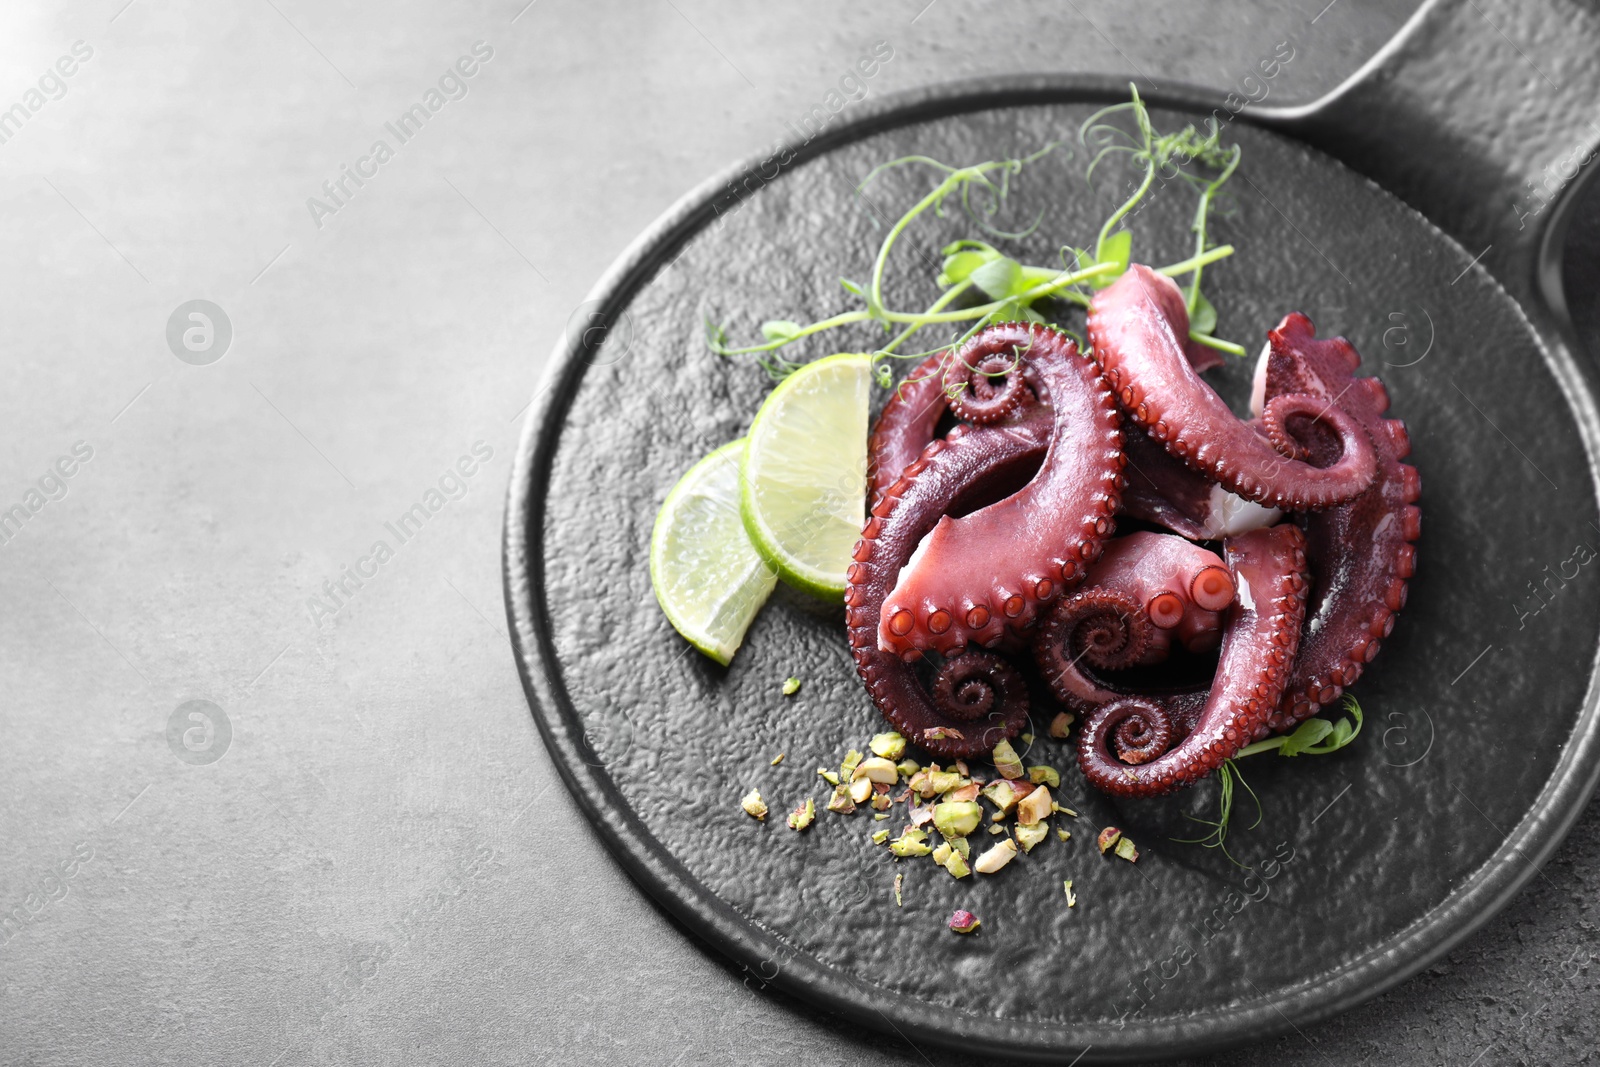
1016,291
1314,737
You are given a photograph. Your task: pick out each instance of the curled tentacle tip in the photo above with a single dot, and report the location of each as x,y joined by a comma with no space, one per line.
1138,730
974,684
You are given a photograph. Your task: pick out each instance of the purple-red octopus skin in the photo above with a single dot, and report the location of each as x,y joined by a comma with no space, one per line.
1131,604
1138,328
1361,552
978,699
905,425
1123,748
974,576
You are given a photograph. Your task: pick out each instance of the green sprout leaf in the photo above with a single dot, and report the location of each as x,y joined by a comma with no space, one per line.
1203,319
1305,735
959,266
780,330
1115,248
999,278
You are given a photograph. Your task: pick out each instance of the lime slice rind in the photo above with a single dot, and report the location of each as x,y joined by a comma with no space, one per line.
708,578
804,493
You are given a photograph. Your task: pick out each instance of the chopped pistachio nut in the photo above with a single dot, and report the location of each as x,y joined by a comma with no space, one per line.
966,792
907,767
828,776
877,769
1002,796
791,686
961,767
880,816
881,802
1043,775
1006,760
899,880
931,781
997,829
1027,739
1108,837
964,922
956,864
754,806
1061,725
1072,898
803,816
1028,836
1034,807
942,853
847,769
777,759
1065,835
996,856
1065,811
880,836
962,846
957,819
1126,850
890,746
911,843
840,802
941,733
860,790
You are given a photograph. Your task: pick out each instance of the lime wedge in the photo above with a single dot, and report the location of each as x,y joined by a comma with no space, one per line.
805,473
708,578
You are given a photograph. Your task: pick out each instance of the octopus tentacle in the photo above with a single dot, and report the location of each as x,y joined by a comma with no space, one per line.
975,684
906,424
1137,328
1139,730
1163,490
985,390
1145,587
999,565
1258,650
952,474
1361,552
1107,624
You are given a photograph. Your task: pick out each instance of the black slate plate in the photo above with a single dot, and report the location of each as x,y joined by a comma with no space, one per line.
1481,743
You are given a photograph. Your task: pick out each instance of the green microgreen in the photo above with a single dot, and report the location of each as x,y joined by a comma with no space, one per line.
1314,737
1013,290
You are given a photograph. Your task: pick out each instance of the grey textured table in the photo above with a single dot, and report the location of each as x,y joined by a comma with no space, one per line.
382,865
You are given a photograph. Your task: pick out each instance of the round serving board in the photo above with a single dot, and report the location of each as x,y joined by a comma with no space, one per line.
1479,744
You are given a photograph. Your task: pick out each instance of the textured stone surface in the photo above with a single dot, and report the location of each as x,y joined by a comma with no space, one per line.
321,894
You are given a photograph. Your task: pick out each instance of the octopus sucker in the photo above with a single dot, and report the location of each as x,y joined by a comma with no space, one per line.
1018,554
1120,747
1138,329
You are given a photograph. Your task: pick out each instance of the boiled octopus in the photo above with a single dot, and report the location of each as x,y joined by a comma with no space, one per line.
1279,543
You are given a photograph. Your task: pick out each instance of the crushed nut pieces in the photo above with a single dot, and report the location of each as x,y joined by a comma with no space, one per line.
754,806
964,922
943,809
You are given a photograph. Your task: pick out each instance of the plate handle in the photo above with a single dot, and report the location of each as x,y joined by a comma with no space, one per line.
1485,116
